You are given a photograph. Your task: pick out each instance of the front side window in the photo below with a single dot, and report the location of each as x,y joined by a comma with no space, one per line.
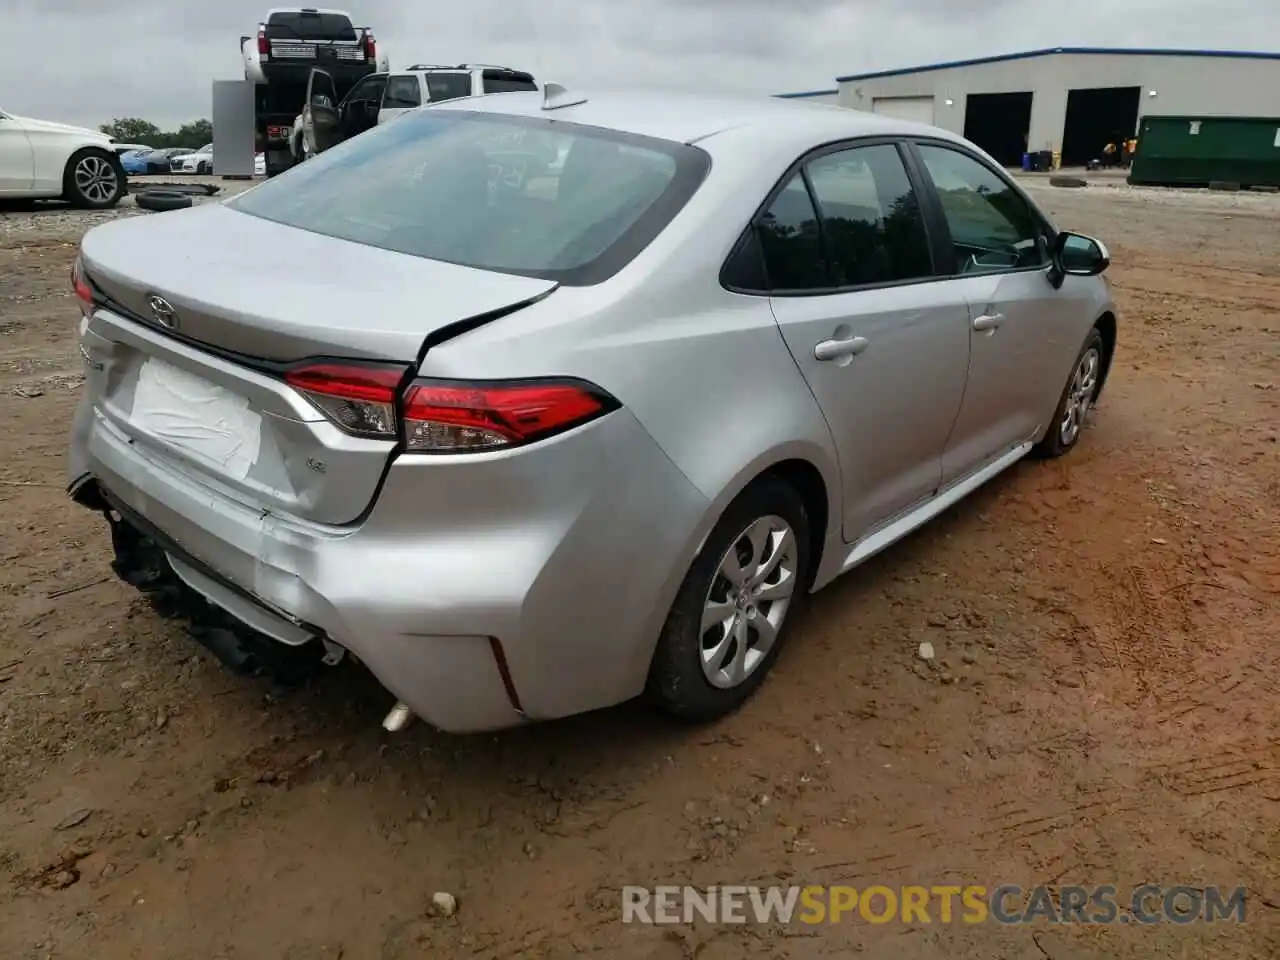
871,220
517,195
448,86
402,93
992,227
370,88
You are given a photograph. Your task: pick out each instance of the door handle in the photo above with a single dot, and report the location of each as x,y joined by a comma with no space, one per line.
988,321
834,349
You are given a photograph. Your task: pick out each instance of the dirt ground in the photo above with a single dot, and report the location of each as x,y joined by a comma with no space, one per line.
1104,707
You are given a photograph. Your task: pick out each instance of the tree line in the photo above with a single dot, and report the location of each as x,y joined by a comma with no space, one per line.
193,135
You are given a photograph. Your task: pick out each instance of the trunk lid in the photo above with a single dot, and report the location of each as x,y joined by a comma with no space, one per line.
270,292
204,307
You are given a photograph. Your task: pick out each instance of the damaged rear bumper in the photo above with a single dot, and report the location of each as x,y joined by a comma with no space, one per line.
253,641
481,591
452,682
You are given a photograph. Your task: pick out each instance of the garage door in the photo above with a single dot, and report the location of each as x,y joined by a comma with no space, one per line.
916,109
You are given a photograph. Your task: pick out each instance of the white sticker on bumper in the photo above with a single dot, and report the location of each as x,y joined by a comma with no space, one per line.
197,416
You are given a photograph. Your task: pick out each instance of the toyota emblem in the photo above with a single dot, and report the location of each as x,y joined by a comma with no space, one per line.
162,312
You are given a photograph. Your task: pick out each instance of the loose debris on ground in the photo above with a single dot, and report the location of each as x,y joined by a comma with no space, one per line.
1069,678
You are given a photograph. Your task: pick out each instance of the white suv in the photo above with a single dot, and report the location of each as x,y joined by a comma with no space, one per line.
424,83
381,97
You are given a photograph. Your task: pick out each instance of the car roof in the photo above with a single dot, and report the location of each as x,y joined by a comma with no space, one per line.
691,117
456,68
323,10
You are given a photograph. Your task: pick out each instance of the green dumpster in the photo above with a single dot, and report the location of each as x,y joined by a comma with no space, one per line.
1192,151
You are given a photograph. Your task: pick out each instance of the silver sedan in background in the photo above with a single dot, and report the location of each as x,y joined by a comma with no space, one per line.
534,403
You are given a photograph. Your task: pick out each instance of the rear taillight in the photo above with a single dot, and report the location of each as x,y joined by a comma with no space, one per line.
84,292
443,416
264,45
370,47
359,398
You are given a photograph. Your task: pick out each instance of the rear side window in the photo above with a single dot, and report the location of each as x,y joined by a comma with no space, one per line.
849,219
518,195
507,81
448,86
871,221
792,242
301,25
402,92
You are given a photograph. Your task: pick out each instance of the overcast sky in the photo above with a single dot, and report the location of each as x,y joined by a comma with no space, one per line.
87,61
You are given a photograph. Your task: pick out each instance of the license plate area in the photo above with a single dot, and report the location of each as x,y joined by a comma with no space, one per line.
196,416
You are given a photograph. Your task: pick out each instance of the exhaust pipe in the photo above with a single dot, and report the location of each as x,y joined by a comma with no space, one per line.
399,718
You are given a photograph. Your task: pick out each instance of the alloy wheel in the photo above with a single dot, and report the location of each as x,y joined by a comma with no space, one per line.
96,179
1079,396
748,601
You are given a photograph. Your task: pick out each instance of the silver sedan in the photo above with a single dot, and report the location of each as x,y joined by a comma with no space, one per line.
534,403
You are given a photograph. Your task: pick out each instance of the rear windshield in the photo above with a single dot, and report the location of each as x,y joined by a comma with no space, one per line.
309,26
507,81
529,196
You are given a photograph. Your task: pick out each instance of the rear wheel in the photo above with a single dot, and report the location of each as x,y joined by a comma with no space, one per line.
276,162
731,616
93,179
1077,399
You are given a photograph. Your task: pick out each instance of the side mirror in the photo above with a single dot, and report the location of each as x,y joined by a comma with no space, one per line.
1075,255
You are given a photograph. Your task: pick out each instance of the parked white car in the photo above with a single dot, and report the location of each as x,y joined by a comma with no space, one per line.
199,162
40,159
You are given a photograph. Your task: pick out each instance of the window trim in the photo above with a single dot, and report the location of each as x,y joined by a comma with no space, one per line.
900,143
930,195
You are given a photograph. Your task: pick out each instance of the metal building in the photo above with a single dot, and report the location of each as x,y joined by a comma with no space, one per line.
1070,100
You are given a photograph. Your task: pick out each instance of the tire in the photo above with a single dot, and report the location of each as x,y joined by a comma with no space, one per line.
678,683
93,179
1060,439
203,169
274,169
162,200
1076,182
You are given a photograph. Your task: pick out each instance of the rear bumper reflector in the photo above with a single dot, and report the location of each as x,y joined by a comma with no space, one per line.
501,659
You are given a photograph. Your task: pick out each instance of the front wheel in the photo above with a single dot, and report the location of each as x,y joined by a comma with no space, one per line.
93,179
1077,399
203,169
728,622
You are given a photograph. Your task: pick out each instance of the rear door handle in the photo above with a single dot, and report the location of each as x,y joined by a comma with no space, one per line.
835,349
988,321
